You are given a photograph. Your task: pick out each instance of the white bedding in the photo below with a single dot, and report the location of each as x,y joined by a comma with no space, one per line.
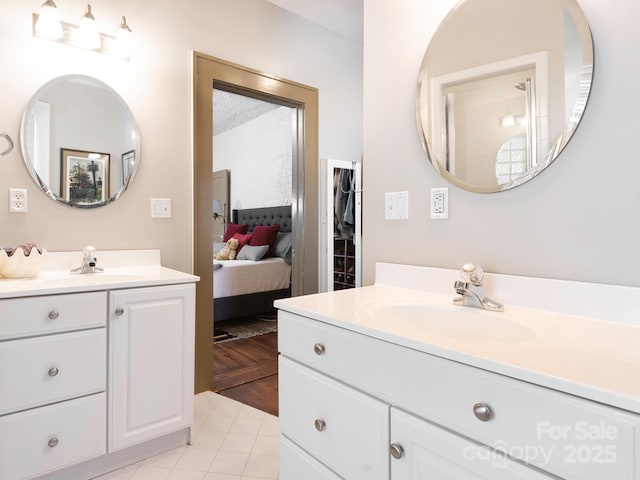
240,277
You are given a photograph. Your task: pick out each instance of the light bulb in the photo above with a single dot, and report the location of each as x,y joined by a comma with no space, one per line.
48,24
88,36
508,121
123,39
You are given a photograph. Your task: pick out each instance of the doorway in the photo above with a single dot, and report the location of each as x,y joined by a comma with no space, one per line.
207,71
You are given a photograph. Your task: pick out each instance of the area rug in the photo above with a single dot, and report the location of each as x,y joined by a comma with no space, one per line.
230,330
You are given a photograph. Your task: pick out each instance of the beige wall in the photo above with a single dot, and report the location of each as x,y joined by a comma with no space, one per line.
156,84
579,219
526,28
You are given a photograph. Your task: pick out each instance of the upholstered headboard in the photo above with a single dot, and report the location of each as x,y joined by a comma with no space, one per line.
280,215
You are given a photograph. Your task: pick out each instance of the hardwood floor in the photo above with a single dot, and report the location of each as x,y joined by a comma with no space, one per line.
247,371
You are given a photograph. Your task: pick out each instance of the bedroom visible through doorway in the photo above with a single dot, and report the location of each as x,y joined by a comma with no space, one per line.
255,146
254,149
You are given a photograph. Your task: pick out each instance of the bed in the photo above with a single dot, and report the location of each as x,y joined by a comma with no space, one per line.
243,288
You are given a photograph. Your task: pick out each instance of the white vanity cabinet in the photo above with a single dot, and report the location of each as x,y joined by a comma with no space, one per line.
446,419
151,347
52,382
96,371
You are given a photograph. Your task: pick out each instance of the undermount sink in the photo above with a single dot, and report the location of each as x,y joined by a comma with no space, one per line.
464,323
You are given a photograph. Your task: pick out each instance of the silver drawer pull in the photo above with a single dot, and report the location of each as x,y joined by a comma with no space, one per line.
482,412
53,371
318,348
396,451
53,442
119,311
320,425
53,314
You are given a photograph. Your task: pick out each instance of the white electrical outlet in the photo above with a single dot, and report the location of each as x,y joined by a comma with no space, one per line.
440,203
17,200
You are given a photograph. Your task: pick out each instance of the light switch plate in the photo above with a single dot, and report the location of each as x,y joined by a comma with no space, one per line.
160,208
396,205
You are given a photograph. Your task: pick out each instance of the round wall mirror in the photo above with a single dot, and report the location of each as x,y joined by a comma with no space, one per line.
502,87
80,141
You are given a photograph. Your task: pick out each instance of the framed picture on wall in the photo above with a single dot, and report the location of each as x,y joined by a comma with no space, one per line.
84,177
128,162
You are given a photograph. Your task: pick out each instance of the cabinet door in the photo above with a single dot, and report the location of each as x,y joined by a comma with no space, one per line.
431,452
151,346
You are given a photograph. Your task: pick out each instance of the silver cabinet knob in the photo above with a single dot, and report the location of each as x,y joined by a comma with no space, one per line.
396,451
53,442
53,314
320,424
319,349
119,311
482,412
53,371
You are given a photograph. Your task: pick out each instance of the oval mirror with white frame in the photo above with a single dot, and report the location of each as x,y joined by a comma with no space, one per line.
80,141
502,88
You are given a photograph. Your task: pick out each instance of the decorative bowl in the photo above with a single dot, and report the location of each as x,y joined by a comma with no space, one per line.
22,261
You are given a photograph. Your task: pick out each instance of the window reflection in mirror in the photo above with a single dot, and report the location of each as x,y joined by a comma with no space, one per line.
496,69
69,120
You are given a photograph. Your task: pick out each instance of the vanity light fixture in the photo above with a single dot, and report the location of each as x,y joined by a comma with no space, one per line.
508,120
47,25
123,38
511,120
88,35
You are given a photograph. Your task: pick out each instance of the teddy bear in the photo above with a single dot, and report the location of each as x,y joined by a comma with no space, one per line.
228,252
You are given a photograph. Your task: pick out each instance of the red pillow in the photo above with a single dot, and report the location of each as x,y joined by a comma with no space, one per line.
234,228
264,235
243,239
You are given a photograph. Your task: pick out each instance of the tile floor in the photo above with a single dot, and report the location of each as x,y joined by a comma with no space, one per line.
231,441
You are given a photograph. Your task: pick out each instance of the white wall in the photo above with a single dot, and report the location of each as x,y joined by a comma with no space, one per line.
579,219
157,85
259,156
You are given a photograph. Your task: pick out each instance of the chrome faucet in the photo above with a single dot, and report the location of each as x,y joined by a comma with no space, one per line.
89,261
471,290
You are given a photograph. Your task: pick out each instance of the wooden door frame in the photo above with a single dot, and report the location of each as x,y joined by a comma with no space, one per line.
206,70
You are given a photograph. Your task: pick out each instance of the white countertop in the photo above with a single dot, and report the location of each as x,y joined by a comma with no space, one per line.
122,269
587,357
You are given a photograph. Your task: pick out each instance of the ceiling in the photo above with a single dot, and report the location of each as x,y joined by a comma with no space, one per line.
341,16
231,110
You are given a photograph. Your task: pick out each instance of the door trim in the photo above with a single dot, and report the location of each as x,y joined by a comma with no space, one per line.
206,71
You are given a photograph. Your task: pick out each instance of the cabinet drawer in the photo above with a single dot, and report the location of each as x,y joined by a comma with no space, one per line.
588,441
344,429
431,452
296,464
45,439
28,316
40,370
